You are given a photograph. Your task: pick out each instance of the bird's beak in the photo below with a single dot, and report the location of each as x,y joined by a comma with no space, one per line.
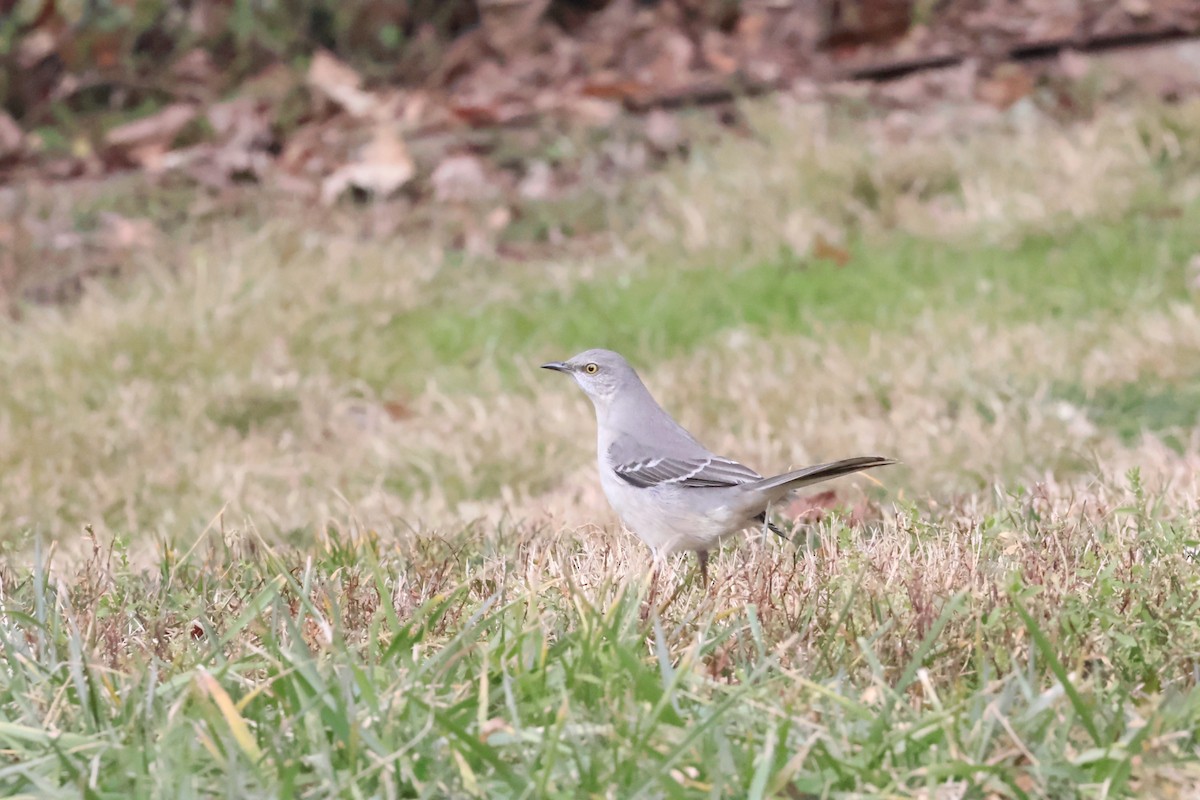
557,366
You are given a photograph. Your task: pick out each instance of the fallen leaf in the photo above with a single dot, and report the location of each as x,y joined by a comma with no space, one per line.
1074,65
751,27
1169,70
1005,86
670,55
310,147
863,511
857,22
151,136
499,218
144,141
508,24
663,131
811,509
34,46
382,168
12,140
614,89
1137,9
123,233
825,250
459,178
591,111
297,187
482,115
719,665
538,182
718,51
398,410
272,83
241,117
63,168
195,67
459,56
341,84
156,128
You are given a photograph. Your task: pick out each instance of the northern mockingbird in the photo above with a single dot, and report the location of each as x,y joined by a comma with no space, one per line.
664,485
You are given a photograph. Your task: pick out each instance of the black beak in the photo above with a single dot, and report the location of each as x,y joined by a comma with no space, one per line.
557,366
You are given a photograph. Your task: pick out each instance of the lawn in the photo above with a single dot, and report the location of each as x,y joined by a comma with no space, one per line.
289,509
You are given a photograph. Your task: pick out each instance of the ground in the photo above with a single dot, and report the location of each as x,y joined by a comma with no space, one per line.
291,511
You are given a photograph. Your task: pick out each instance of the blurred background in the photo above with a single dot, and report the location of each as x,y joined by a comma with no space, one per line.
273,264
286,503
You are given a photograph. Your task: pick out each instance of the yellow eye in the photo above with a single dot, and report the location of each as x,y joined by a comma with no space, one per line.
591,369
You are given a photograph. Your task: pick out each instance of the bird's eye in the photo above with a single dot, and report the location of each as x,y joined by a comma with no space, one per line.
591,369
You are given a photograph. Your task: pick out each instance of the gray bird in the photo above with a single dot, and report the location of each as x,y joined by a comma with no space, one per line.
665,486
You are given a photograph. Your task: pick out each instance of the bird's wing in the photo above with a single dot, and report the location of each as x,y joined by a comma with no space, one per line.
689,471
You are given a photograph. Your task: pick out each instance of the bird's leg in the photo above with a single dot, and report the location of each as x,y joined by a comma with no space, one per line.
766,521
702,555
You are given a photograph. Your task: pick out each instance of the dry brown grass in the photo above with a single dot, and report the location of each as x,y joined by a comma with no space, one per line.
222,382
348,538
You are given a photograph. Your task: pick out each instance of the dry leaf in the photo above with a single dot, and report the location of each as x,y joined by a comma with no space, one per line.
297,187
34,46
241,117
1137,9
12,140
538,183
1074,65
663,131
1005,86
398,410
508,24
811,509
271,84
825,250
1169,70
310,147
718,51
194,67
123,233
341,84
856,22
719,665
671,58
161,127
382,168
605,88
591,111
460,178
144,141
499,218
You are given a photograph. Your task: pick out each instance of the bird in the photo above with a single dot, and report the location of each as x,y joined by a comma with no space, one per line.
668,489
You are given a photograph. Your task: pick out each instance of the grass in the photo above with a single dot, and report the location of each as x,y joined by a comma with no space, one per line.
1167,409
365,668
290,510
1090,273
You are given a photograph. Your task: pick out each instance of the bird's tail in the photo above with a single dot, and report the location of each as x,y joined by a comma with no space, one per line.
779,485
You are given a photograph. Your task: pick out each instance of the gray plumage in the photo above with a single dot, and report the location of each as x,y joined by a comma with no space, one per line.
666,487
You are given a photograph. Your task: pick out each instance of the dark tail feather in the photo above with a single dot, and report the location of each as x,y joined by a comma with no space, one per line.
779,485
775,529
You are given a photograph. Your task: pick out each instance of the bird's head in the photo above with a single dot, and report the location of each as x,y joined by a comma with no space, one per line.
602,374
